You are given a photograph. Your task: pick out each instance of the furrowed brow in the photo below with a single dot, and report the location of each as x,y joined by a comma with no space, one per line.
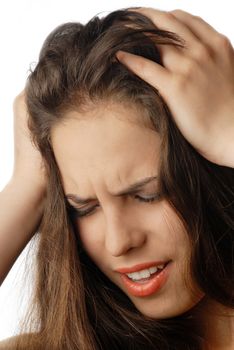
129,190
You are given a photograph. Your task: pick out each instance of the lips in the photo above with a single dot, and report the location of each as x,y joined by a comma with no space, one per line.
140,267
149,286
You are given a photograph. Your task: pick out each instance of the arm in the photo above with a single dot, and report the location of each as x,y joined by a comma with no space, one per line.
22,199
21,208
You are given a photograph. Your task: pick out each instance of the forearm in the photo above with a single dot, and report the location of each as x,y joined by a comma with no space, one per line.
21,209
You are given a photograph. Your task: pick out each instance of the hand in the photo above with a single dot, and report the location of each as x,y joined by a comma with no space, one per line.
28,163
196,82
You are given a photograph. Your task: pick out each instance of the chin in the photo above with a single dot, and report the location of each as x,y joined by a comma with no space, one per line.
163,308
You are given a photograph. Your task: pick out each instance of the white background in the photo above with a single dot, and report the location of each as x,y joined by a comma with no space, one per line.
23,27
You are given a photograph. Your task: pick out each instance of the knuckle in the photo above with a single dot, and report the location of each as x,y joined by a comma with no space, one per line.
177,12
196,17
168,16
201,52
19,101
183,14
189,68
179,82
20,96
223,41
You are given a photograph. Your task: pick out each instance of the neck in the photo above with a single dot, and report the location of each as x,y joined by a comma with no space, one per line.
217,324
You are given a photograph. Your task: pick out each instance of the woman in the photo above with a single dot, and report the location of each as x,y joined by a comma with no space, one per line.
136,238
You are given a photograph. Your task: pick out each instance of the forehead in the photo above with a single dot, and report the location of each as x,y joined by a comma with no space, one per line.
109,144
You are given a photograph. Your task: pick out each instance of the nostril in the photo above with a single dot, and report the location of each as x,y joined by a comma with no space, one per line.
121,244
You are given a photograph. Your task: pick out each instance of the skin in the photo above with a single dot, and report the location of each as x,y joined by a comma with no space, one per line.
101,155
197,82
20,218
189,81
183,83
28,163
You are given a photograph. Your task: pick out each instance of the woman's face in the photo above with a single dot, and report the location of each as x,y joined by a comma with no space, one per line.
100,155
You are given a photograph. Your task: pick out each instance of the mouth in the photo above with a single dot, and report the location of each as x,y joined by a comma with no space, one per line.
146,281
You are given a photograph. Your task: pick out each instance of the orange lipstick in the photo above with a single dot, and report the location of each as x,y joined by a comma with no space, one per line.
146,286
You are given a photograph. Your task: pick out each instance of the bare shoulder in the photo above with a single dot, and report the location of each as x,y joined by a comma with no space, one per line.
9,343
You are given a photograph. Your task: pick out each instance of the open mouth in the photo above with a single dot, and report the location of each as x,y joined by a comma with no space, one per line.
146,274
141,285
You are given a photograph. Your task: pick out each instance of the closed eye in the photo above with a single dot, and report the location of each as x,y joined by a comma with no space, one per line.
75,212
148,198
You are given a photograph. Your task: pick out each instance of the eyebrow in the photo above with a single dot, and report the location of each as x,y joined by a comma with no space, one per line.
129,190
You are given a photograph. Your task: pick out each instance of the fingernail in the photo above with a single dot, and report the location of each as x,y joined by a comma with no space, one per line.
120,55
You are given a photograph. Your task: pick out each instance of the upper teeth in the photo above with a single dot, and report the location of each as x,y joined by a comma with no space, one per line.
145,273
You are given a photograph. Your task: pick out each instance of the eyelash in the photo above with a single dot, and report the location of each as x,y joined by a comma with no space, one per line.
82,213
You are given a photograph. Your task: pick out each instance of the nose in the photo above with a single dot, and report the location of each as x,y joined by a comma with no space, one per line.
122,234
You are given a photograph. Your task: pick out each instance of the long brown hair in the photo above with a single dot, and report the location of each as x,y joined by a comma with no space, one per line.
75,306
